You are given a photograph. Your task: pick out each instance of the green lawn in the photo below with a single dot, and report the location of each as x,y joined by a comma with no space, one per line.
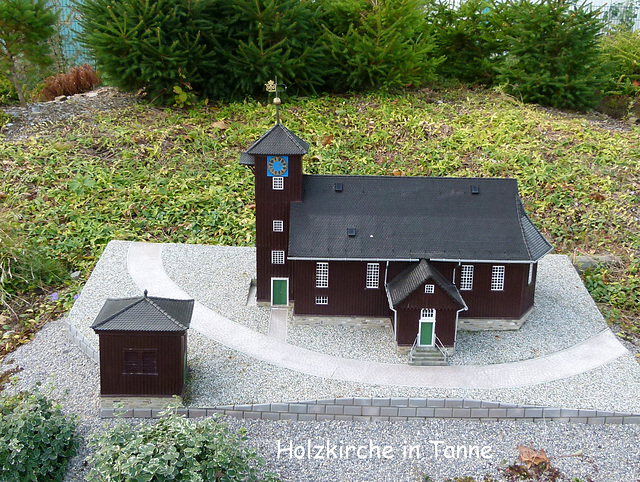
173,176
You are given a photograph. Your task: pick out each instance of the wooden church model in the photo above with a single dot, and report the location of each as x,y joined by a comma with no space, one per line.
433,254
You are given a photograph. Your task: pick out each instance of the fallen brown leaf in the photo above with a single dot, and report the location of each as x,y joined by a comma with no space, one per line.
531,456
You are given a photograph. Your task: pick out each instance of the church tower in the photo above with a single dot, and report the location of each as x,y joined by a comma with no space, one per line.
276,159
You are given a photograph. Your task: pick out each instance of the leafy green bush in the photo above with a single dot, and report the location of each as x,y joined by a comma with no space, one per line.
382,44
468,37
552,53
24,30
621,54
174,448
36,438
154,45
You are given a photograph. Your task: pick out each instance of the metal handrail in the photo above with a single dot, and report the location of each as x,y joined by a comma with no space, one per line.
438,344
413,347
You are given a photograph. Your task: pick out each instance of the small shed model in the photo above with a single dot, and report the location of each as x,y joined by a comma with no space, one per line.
433,254
143,346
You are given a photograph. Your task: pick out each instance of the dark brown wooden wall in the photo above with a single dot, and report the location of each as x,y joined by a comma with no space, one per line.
484,303
528,289
347,292
445,306
272,205
170,347
408,320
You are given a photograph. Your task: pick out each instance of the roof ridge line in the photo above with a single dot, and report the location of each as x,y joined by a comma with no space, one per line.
122,310
159,308
522,214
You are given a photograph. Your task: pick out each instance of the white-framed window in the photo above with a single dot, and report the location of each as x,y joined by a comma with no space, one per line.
497,278
427,313
277,257
530,273
429,289
373,275
322,275
278,183
322,300
278,226
466,277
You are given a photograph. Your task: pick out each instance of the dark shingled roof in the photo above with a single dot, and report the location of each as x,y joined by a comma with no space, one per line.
412,218
414,276
277,141
145,313
247,159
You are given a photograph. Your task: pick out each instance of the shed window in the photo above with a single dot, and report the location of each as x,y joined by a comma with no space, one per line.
497,278
373,275
530,273
278,183
141,362
322,300
278,226
429,289
277,257
466,277
322,275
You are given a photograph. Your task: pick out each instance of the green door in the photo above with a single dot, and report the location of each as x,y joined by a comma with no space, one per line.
427,327
279,290
426,333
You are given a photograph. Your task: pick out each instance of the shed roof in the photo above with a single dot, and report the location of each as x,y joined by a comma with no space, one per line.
414,277
146,313
412,218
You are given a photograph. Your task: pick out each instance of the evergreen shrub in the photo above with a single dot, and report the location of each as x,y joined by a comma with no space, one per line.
174,448
468,37
268,38
379,44
155,45
552,55
36,438
25,27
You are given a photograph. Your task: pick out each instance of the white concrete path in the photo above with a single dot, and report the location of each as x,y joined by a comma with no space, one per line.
145,267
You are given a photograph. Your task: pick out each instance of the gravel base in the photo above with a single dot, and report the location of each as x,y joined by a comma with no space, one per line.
610,453
218,277
218,375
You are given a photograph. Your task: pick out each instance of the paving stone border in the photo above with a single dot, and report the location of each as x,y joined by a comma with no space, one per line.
391,410
81,342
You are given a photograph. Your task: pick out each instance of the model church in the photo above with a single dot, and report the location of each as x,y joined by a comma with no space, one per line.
432,254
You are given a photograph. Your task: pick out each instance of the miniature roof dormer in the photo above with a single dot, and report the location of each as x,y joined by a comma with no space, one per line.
144,313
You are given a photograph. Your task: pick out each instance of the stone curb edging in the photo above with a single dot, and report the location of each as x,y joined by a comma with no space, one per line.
81,342
391,410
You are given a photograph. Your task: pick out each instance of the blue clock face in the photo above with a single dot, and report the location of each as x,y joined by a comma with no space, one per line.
277,166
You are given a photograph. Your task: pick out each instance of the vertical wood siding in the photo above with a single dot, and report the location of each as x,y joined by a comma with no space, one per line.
272,205
170,360
484,303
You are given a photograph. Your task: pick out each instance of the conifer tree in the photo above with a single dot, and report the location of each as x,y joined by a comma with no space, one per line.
161,46
552,55
379,44
25,27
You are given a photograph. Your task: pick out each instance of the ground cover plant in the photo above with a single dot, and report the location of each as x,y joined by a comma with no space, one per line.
172,175
36,438
174,448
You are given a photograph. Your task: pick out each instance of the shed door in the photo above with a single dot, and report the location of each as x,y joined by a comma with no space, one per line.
426,333
279,291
